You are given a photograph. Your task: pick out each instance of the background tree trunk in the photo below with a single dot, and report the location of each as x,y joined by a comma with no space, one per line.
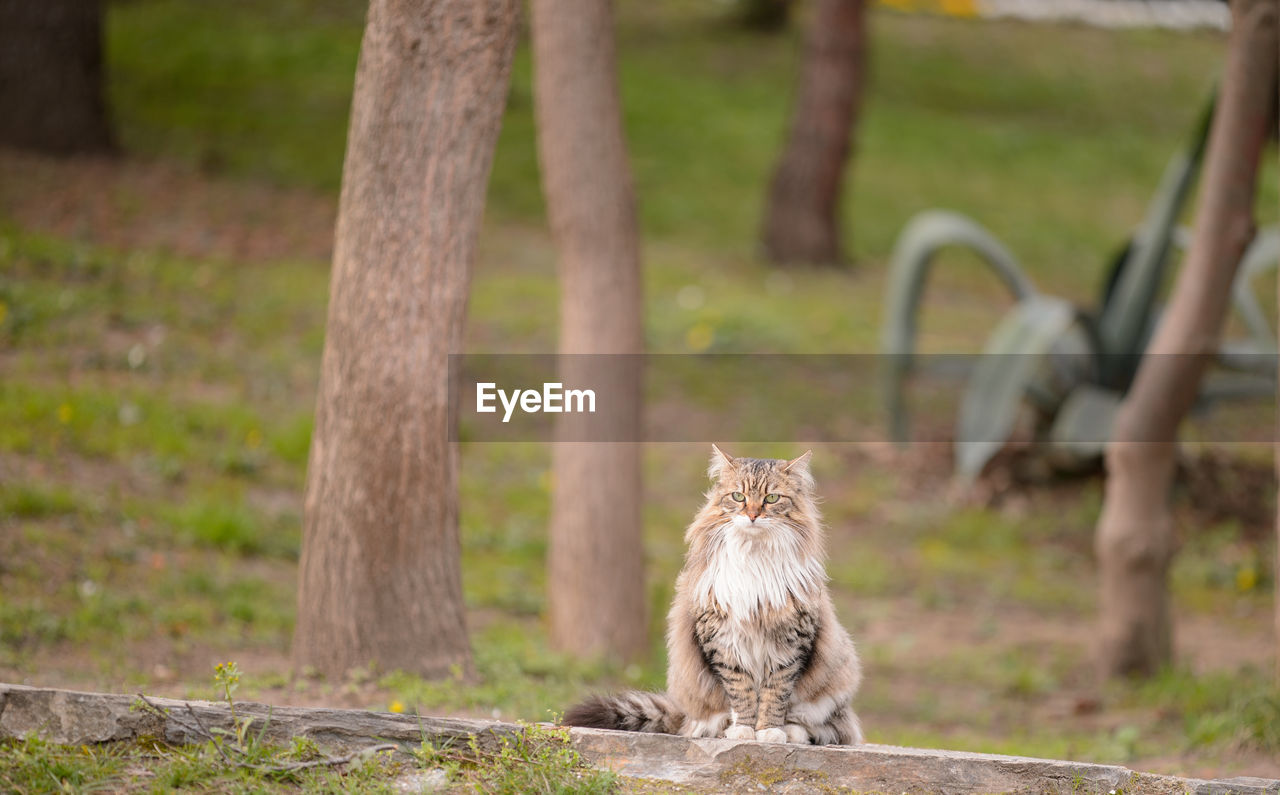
801,221
1135,538
596,553
379,580
51,84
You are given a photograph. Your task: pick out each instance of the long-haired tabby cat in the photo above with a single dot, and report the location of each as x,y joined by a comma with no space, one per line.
753,644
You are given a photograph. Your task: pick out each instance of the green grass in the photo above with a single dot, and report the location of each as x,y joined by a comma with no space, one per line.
34,502
231,86
532,760
1217,561
266,92
32,765
230,524
535,760
155,410
1240,710
519,677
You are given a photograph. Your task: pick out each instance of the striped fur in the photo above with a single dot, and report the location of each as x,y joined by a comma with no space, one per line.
633,711
754,647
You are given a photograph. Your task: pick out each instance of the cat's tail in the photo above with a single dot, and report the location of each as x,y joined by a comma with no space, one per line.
632,711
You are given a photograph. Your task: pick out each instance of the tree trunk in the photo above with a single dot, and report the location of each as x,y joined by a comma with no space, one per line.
596,554
380,580
801,222
51,83
1135,539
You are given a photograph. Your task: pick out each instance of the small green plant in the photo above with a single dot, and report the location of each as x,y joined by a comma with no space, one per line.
226,677
537,759
239,742
304,749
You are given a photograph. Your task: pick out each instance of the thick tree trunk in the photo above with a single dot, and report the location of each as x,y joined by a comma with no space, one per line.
379,580
801,221
1135,538
596,555
51,78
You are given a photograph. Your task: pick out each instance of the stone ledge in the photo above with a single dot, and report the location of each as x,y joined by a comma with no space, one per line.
76,718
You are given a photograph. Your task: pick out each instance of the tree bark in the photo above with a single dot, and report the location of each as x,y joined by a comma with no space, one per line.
801,222
380,580
595,557
1135,537
51,76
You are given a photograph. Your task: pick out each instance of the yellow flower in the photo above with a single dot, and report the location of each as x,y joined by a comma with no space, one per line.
253,439
1246,578
396,706
65,413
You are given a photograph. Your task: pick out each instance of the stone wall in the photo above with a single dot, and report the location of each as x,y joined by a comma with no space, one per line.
75,718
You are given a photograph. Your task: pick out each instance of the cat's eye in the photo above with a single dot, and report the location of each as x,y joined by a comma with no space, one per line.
771,498
738,496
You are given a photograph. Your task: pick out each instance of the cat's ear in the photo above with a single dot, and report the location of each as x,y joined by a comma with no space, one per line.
799,466
719,460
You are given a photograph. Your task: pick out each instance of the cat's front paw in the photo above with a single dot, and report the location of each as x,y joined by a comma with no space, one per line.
796,733
740,732
770,736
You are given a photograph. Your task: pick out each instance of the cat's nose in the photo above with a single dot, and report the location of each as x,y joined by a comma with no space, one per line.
752,516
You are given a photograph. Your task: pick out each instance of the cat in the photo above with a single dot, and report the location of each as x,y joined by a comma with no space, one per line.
754,648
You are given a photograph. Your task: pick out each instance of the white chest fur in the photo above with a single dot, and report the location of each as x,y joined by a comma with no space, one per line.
757,567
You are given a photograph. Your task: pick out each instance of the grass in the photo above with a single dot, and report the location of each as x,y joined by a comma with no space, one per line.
241,112
519,677
155,408
33,765
266,93
33,502
535,760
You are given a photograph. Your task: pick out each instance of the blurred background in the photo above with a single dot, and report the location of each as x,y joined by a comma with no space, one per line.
162,317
